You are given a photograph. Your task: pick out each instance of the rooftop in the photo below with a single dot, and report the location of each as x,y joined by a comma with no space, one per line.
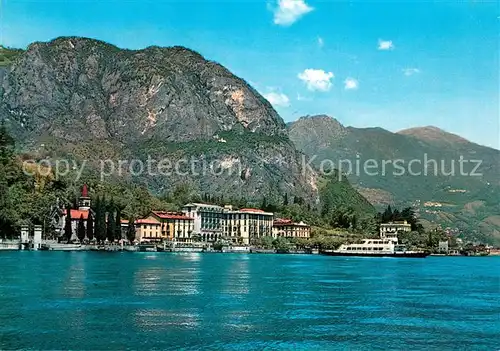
171,215
77,214
288,222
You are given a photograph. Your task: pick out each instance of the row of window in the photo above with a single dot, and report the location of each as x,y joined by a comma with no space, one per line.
365,249
158,235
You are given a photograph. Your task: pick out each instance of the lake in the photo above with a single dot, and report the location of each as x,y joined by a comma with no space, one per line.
100,300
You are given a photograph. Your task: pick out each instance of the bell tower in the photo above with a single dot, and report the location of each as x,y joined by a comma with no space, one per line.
84,201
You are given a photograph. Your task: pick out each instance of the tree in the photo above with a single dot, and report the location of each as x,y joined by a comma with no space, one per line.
111,228
181,194
285,200
68,230
218,245
90,227
4,203
266,242
6,167
281,244
100,220
80,232
387,215
118,223
263,205
131,230
354,222
7,145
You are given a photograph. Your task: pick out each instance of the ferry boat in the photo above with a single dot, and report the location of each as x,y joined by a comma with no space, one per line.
386,246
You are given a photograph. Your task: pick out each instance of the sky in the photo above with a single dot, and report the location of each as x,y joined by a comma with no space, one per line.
392,64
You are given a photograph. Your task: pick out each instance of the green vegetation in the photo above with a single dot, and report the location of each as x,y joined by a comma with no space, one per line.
67,225
131,230
90,228
8,55
31,200
407,214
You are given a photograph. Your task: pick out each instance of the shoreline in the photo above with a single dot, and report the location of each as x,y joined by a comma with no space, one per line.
129,249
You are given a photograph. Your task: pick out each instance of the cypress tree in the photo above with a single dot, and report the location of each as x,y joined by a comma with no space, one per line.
354,222
90,227
285,200
100,220
81,229
118,225
111,226
68,230
97,219
131,230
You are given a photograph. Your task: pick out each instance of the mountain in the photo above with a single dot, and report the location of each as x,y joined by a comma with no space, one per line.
442,192
434,135
86,100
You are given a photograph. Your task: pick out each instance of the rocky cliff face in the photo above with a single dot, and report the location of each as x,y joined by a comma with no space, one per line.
84,99
78,89
318,131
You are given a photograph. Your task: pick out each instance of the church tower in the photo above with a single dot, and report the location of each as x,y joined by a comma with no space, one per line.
84,201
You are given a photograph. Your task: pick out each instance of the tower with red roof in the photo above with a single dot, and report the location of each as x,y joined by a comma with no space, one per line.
84,200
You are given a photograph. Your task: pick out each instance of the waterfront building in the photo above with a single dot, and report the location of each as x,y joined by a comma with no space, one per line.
83,211
286,228
148,230
175,226
393,228
246,225
443,247
207,220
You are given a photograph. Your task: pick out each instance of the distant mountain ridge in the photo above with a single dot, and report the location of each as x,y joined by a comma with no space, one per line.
433,134
443,198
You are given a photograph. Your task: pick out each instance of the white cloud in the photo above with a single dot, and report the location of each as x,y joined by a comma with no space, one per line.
289,11
277,99
385,44
410,71
321,42
351,84
316,79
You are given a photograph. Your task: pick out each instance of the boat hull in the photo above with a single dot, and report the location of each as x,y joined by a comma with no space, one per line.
395,255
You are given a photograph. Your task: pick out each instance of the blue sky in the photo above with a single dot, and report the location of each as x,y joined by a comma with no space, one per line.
391,64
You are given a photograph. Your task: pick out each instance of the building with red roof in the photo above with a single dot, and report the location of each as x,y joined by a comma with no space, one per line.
83,212
175,226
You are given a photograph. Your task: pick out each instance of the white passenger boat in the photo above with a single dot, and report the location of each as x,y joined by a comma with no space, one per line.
385,246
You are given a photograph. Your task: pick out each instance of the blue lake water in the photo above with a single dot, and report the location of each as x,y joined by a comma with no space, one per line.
95,301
